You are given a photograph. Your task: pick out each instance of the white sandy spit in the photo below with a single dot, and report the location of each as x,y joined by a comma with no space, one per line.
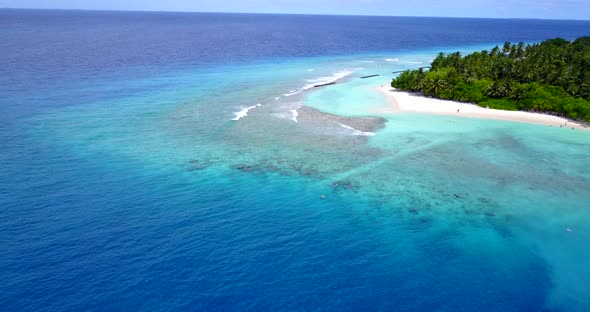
405,102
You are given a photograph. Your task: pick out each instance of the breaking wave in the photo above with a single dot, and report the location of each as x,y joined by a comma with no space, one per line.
244,112
356,132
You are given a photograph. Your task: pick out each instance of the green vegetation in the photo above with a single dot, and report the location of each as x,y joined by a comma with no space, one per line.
553,76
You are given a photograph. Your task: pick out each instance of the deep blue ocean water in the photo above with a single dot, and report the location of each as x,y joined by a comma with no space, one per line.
126,184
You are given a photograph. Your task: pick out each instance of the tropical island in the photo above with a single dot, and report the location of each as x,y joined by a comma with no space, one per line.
552,77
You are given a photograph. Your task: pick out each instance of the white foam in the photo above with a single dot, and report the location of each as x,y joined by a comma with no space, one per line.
368,62
356,132
277,98
310,70
320,80
244,112
328,79
292,92
391,59
294,115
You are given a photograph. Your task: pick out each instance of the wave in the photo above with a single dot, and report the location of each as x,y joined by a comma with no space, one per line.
356,132
328,79
370,62
277,98
310,70
294,114
290,114
244,112
318,81
391,59
413,62
292,92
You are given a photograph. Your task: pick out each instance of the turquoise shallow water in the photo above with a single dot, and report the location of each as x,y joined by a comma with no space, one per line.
153,177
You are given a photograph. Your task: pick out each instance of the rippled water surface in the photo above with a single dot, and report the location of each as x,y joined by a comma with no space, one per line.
176,161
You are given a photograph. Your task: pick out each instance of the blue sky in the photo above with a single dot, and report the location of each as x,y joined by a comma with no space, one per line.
555,9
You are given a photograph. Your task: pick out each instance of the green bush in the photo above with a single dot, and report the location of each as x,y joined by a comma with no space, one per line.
505,104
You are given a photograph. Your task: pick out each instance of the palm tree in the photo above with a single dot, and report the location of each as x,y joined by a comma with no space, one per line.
439,61
495,52
520,50
506,48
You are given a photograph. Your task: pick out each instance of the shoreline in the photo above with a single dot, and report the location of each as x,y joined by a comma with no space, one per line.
405,102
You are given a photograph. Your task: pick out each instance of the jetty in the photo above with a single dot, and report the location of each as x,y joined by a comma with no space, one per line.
369,76
324,84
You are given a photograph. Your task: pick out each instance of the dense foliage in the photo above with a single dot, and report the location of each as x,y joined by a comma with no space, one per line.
553,76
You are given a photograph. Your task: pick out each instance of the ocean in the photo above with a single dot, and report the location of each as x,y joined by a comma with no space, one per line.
184,161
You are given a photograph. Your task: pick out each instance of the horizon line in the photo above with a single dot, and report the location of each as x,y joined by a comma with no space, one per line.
303,14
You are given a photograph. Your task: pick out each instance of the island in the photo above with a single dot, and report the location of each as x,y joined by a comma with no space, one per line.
552,77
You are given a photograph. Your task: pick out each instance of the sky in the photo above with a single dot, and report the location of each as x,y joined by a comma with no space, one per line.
548,9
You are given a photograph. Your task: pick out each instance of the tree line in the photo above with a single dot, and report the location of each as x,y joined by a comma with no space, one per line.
552,76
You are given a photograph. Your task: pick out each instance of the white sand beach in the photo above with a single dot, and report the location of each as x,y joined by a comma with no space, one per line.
406,102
